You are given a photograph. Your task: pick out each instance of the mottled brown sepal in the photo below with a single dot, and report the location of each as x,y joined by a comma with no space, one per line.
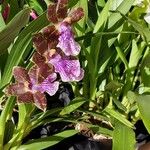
40,100
62,9
76,15
51,13
15,89
38,59
21,74
25,98
40,43
51,34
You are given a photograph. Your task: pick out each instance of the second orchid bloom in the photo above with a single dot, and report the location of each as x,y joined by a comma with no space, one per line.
56,51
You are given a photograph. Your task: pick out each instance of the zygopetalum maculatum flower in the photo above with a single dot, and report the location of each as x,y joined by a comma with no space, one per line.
56,54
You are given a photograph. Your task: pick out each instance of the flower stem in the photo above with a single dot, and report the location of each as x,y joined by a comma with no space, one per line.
4,116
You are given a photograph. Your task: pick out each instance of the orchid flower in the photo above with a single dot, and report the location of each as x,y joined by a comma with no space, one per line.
55,54
57,14
27,88
46,40
66,40
68,68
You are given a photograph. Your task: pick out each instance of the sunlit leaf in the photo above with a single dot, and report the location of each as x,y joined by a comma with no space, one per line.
144,31
8,34
124,7
73,105
145,71
102,18
35,5
48,141
118,116
143,102
123,137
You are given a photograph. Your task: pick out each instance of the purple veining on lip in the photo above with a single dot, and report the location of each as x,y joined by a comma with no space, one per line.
67,42
68,69
27,90
49,85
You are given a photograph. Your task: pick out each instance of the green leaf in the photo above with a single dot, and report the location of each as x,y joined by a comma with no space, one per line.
113,86
115,4
2,22
118,116
131,97
123,137
41,116
143,102
135,55
20,46
72,3
34,4
121,55
73,105
5,114
119,104
8,34
46,114
145,70
124,8
82,22
102,18
101,3
25,111
3,59
144,31
14,9
94,52
101,116
48,141
100,130
10,126
89,59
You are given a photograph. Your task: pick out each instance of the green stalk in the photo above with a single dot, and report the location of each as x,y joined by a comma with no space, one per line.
95,50
21,134
3,118
93,81
25,111
135,55
8,145
86,85
93,84
121,55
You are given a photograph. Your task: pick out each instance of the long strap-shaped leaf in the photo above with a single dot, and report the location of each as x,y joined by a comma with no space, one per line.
48,141
8,34
143,103
20,46
102,17
123,137
118,117
124,7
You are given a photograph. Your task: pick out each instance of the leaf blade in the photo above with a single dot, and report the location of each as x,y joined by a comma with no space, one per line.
20,46
126,135
73,105
8,34
48,141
